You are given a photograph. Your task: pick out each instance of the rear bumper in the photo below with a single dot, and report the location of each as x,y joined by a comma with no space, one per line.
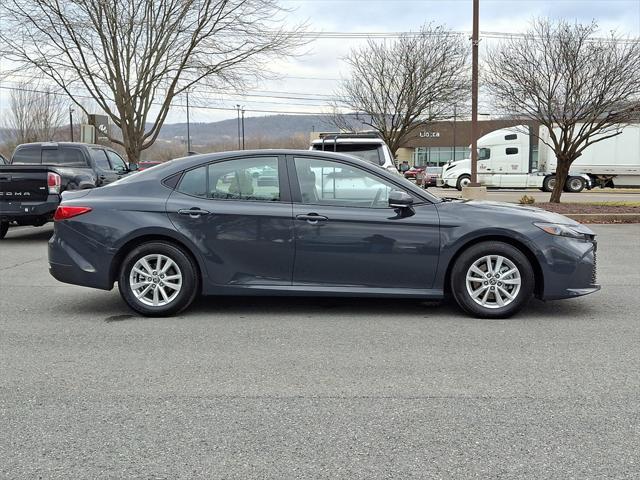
24,212
68,259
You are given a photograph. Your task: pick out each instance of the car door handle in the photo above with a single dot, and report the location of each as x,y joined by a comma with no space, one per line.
312,218
193,212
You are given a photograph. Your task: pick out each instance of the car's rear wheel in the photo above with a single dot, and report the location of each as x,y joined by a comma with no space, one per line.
4,228
492,280
158,279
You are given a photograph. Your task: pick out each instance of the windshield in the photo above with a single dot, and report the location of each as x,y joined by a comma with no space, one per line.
368,152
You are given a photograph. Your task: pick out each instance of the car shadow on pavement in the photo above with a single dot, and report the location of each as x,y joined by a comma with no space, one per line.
27,234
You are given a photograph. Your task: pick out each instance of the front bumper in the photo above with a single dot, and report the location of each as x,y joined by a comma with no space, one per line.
570,269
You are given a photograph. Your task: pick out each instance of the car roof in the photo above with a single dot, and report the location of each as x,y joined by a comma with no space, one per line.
331,140
60,144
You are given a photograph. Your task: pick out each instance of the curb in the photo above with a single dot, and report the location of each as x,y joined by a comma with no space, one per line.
604,217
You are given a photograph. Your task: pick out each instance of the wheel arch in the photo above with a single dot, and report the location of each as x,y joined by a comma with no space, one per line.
132,243
514,242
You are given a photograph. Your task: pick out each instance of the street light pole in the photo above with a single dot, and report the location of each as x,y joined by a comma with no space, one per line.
238,109
474,94
188,126
71,123
243,128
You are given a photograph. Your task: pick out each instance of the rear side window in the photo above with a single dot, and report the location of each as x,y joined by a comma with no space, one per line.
194,182
26,156
512,151
101,159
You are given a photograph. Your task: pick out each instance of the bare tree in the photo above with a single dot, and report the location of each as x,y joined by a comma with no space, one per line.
394,87
133,57
581,89
34,115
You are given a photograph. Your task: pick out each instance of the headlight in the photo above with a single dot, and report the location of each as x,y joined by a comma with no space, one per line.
562,230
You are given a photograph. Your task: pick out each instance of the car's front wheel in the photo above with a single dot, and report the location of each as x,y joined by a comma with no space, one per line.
492,280
158,279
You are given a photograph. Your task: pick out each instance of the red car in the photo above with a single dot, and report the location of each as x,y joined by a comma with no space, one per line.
413,172
428,177
147,164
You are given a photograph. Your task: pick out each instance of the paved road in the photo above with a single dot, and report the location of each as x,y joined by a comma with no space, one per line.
595,195
316,388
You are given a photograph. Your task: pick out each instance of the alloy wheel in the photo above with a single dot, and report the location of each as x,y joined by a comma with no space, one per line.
155,280
493,281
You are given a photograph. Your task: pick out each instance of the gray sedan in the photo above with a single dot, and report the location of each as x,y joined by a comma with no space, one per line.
328,224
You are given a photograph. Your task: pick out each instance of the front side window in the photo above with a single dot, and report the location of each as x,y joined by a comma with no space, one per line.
117,163
252,179
484,153
324,182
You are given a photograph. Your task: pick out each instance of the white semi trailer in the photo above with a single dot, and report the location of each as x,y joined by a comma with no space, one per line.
508,158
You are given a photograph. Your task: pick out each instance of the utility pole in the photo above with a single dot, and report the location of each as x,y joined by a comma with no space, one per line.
188,127
454,131
474,94
243,128
238,109
71,123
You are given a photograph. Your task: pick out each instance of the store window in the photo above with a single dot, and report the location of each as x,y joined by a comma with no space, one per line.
438,156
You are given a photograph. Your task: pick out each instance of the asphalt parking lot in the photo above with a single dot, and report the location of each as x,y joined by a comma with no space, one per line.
317,388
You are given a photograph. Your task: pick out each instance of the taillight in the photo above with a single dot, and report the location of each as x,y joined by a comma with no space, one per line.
66,212
53,181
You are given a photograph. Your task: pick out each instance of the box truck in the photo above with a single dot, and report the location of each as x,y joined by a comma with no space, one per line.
511,158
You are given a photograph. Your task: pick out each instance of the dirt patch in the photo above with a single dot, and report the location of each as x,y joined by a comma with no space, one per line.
596,212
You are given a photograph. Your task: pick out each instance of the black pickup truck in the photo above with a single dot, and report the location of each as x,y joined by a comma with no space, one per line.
38,173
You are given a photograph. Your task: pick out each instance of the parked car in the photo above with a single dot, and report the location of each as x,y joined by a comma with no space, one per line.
414,171
3,161
332,225
428,177
31,184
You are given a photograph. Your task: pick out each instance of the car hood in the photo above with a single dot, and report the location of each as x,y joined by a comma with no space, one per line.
527,213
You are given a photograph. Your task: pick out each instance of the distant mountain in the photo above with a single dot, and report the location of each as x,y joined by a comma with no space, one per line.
272,127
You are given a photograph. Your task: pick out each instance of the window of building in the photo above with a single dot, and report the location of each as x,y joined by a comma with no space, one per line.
438,156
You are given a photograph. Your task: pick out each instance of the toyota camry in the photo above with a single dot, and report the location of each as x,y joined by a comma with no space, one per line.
323,224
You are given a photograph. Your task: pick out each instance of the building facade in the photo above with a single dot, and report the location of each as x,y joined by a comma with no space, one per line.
436,143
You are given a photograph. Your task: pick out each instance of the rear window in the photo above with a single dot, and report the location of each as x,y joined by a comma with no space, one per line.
368,152
26,156
62,156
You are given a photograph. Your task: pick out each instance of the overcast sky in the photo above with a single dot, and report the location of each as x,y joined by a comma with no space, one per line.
321,62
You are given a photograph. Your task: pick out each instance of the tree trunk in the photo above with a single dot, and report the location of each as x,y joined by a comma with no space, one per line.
562,172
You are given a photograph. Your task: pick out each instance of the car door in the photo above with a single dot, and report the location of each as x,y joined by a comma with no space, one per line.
238,213
347,235
104,172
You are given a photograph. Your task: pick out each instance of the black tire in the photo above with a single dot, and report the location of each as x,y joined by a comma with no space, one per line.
461,180
4,228
462,266
187,268
574,185
549,183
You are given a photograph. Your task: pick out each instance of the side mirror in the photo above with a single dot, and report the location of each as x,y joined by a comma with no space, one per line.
398,199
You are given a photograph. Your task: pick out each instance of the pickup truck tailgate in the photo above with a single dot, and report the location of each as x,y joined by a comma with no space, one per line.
23,184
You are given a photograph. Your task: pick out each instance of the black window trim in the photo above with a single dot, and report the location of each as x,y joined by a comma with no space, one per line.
506,151
285,195
297,195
